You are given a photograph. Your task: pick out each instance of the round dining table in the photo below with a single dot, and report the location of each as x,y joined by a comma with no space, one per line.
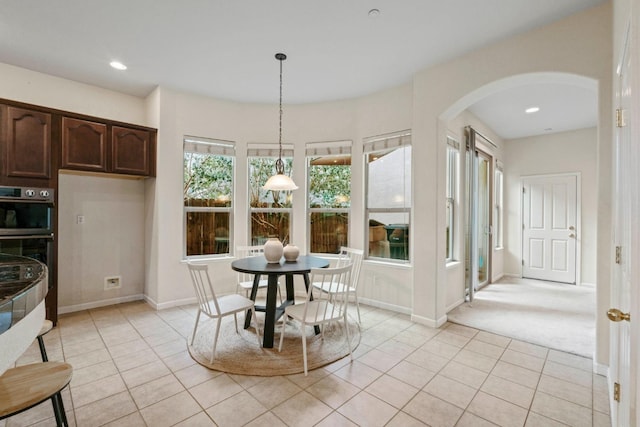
258,266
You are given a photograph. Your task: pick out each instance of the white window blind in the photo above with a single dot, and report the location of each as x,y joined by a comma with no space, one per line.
385,142
208,146
333,148
269,150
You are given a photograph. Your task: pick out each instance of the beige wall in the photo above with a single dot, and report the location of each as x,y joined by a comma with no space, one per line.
110,242
564,152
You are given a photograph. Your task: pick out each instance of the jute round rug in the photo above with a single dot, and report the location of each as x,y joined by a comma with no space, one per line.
240,353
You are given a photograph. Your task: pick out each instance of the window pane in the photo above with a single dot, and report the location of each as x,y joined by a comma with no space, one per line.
389,178
208,184
269,224
389,235
207,233
329,231
208,177
330,182
449,219
260,169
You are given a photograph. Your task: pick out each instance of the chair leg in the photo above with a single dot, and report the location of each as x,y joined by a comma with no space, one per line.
215,340
255,319
304,350
346,327
195,328
43,350
355,296
58,410
284,325
235,319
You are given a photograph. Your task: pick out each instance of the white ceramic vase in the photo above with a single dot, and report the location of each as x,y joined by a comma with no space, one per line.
291,252
273,250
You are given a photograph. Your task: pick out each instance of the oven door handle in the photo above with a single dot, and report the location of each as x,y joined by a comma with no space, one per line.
27,236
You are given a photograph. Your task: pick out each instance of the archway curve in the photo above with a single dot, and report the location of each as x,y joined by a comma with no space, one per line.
515,81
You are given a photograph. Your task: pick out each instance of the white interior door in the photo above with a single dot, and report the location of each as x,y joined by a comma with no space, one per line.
549,207
625,270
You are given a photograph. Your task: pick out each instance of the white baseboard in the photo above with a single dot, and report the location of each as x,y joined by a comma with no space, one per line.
601,369
429,322
455,304
588,285
390,307
512,275
498,277
170,304
101,303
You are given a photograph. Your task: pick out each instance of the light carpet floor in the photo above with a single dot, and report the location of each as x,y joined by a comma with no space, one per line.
554,315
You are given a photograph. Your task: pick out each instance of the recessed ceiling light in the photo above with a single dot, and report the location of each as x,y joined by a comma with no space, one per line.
118,65
532,110
374,13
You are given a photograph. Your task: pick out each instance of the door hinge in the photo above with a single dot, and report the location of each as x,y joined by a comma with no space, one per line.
620,122
616,392
523,190
618,254
523,262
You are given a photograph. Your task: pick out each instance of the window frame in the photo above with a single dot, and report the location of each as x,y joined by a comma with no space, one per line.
498,202
386,144
451,195
269,151
213,147
327,149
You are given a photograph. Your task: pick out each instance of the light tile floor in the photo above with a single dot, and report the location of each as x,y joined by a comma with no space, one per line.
131,368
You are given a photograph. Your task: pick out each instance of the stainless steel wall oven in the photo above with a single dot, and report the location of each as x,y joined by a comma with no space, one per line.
26,226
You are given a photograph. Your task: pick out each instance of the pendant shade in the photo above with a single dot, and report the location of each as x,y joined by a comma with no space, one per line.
280,182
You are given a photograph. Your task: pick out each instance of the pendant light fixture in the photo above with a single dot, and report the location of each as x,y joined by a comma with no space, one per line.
280,181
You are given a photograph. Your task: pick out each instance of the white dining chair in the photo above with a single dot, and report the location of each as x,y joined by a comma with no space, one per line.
217,307
320,309
245,280
347,256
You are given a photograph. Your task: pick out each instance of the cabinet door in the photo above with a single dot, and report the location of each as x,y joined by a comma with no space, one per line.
84,145
28,149
131,151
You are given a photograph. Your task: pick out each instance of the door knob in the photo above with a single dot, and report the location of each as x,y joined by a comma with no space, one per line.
572,228
572,235
616,315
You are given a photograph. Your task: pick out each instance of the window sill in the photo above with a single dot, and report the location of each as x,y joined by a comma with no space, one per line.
402,266
452,264
208,259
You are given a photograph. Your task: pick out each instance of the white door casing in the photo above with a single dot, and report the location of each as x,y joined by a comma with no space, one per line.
549,232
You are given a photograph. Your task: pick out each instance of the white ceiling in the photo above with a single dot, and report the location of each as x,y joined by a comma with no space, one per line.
225,49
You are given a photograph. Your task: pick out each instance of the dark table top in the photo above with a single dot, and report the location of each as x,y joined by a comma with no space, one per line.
259,265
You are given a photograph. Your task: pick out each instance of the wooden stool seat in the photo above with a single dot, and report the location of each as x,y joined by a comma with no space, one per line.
26,386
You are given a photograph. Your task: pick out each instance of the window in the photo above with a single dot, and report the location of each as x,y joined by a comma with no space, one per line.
270,210
451,194
208,194
329,174
388,195
499,211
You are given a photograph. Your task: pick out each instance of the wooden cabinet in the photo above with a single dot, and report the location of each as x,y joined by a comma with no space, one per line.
27,145
131,151
84,145
108,148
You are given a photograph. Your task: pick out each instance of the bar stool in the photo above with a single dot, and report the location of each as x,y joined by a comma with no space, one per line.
26,386
56,399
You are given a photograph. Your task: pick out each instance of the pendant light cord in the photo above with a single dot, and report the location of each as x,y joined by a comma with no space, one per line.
279,163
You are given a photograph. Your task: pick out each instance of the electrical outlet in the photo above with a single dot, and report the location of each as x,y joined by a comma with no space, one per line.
112,282
80,219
